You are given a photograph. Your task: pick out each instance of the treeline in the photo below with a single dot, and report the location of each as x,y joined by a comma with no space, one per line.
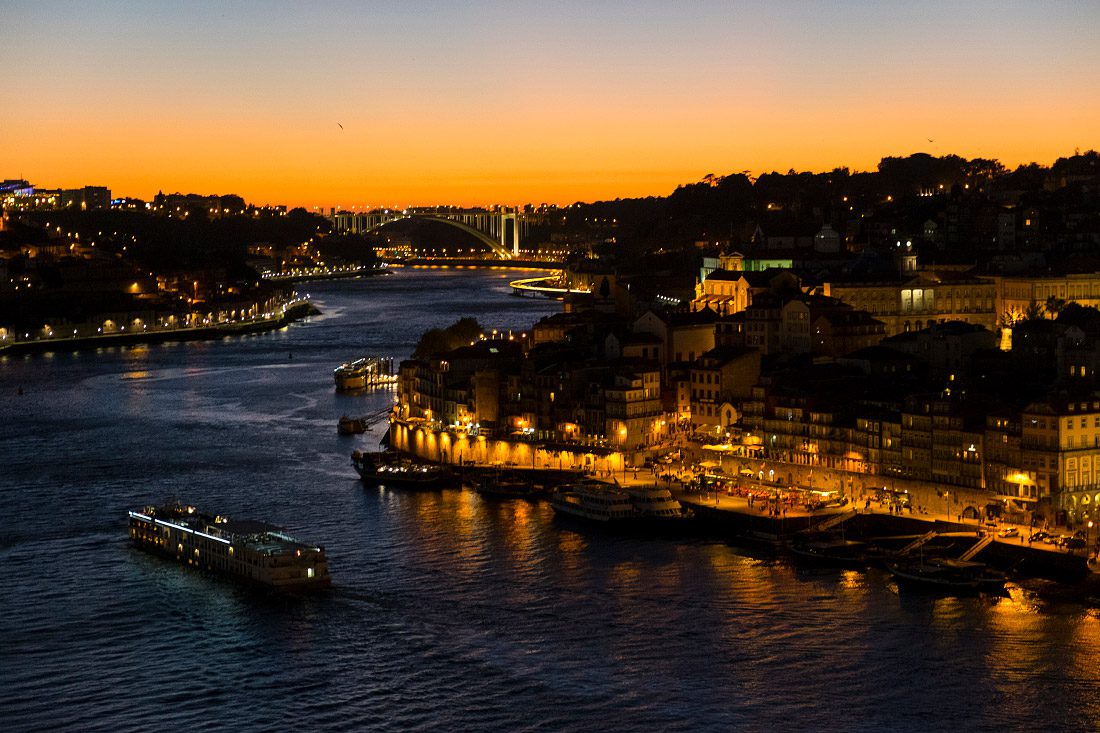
157,242
731,206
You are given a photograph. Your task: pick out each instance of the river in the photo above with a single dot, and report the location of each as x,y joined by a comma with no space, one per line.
448,612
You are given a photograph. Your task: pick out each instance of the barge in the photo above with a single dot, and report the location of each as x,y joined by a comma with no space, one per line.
251,551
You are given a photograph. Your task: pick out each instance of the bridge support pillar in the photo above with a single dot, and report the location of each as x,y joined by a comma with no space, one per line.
504,219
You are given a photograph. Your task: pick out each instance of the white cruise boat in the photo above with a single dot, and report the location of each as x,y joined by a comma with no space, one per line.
247,550
654,502
593,501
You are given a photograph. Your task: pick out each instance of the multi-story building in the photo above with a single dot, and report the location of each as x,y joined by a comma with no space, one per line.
720,380
912,302
1004,459
942,442
685,335
1060,441
632,407
1017,294
86,198
945,347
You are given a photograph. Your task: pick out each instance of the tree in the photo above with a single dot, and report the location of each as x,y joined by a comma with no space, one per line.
437,341
1054,306
1034,312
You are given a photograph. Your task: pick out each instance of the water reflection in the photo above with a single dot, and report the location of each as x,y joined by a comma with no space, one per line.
449,612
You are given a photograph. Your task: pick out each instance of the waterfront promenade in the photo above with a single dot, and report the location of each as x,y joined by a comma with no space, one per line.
292,310
719,487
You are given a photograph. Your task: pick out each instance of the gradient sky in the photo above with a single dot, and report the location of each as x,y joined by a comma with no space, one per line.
514,102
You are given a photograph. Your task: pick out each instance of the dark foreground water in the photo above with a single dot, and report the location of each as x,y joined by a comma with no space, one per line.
448,612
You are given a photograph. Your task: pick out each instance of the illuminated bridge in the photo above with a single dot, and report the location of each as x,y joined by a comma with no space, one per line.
499,229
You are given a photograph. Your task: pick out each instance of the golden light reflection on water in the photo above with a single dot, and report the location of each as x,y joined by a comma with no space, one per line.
521,515
518,530
852,580
571,543
1021,631
465,509
625,576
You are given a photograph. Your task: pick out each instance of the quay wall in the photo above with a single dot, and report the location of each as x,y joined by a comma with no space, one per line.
1023,559
456,448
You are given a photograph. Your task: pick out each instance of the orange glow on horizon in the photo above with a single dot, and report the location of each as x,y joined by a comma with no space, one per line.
443,107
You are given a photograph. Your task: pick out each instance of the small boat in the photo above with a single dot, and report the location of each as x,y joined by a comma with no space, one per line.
351,425
942,574
505,486
837,553
392,471
593,501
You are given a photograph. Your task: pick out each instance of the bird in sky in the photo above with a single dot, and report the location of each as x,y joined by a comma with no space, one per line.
929,139
339,125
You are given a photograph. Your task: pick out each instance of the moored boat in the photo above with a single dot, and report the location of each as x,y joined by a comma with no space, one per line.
946,575
351,376
351,425
392,471
593,501
362,373
247,550
504,486
654,502
839,553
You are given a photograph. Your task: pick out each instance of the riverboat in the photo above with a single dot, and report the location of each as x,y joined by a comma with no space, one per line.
351,425
351,376
593,501
247,550
370,371
946,575
654,502
392,471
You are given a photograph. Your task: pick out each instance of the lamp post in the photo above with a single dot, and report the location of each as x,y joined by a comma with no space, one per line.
622,448
1088,533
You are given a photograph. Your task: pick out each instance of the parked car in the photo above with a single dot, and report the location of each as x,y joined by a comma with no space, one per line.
1074,543
1039,536
1009,532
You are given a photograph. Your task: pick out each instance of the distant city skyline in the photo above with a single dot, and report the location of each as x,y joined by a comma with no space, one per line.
510,103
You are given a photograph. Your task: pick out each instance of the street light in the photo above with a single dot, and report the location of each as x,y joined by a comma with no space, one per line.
622,448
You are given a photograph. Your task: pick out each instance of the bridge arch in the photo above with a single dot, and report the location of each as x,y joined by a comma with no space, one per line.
503,252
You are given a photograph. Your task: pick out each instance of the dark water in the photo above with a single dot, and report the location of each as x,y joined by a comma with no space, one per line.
449,612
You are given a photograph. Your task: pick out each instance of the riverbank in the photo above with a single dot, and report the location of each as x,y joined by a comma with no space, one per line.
294,312
745,523
319,274
762,515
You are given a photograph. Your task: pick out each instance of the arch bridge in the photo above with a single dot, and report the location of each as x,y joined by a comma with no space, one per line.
499,229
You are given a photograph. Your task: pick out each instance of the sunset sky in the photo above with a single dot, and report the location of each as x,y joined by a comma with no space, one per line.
514,102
